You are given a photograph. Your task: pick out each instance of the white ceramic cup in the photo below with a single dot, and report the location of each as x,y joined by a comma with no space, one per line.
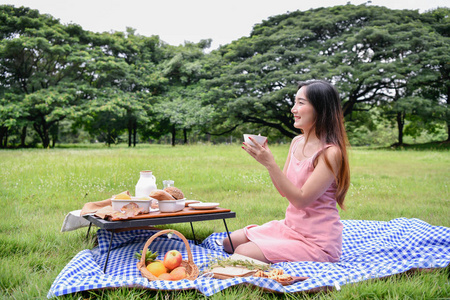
258,138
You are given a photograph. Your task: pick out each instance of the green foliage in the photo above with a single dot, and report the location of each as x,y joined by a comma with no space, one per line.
387,64
375,56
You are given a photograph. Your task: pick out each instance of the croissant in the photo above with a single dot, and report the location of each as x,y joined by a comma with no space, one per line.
161,195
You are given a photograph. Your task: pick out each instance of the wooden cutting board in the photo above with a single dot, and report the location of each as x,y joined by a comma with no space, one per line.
186,211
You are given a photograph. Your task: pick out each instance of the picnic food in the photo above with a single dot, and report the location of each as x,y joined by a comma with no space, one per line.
165,276
276,274
122,196
172,259
175,192
129,210
161,195
156,268
178,273
192,270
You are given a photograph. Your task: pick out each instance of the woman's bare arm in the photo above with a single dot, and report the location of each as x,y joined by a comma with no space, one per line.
319,181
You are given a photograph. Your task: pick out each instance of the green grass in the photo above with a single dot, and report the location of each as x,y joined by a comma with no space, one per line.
39,187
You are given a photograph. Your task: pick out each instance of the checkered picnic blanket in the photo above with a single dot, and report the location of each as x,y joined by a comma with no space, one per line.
371,249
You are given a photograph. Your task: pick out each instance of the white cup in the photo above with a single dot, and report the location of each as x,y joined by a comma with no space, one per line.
258,138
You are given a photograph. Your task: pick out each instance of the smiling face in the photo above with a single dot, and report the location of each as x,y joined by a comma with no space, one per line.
303,111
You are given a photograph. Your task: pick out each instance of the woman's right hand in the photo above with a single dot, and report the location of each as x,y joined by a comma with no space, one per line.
261,153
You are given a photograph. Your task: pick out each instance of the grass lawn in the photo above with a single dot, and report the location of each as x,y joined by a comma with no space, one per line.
39,187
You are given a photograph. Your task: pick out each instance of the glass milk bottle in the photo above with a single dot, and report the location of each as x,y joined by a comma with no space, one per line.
146,184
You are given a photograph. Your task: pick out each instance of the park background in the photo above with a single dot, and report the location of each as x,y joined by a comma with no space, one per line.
63,84
75,92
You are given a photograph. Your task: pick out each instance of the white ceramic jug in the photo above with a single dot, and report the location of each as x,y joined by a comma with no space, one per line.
146,184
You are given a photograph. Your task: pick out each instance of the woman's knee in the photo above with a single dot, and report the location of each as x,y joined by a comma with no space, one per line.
250,249
245,249
238,237
227,245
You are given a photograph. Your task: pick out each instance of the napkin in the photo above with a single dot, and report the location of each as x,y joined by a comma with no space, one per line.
93,207
73,221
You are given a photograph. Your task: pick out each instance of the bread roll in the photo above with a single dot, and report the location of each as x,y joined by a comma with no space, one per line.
161,195
175,192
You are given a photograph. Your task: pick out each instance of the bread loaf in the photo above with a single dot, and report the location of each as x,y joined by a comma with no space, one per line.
175,192
161,195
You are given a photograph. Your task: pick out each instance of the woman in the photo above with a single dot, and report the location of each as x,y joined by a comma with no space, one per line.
315,177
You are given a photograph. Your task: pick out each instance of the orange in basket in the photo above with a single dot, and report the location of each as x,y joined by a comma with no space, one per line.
192,270
156,268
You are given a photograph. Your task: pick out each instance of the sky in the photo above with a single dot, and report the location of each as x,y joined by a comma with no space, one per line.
177,21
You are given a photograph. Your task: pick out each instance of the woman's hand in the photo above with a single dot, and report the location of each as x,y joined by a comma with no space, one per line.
260,152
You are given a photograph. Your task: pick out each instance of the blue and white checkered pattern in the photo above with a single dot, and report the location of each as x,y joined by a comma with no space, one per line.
371,249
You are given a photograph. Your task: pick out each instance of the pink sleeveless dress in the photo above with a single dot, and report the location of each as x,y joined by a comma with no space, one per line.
310,234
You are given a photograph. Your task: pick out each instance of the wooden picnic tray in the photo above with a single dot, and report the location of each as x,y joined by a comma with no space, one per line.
186,211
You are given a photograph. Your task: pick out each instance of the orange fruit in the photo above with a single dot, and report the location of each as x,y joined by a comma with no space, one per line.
178,273
165,276
156,268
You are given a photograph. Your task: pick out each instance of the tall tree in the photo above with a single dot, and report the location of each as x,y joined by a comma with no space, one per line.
433,82
120,82
40,63
180,104
366,51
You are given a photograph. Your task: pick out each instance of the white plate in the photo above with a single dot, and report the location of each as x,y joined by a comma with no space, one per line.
187,202
206,205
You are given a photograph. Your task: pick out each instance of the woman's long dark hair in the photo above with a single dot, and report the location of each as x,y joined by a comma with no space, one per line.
329,128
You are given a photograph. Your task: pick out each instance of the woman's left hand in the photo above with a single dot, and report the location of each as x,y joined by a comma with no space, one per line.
259,152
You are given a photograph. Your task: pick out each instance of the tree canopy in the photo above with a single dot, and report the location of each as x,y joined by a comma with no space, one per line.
374,55
390,66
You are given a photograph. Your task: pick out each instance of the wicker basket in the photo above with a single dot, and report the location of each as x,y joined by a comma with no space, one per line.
191,269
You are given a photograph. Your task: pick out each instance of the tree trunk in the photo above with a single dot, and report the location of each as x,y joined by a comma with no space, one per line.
43,134
174,131
348,106
46,140
400,124
185,136
134,133
23,136
130,131
54,133
3,131
5,145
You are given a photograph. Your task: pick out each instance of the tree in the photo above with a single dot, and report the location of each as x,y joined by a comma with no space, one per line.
139,79
120,80
367,52
394,61
433,82
184,110
40,63
180,104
